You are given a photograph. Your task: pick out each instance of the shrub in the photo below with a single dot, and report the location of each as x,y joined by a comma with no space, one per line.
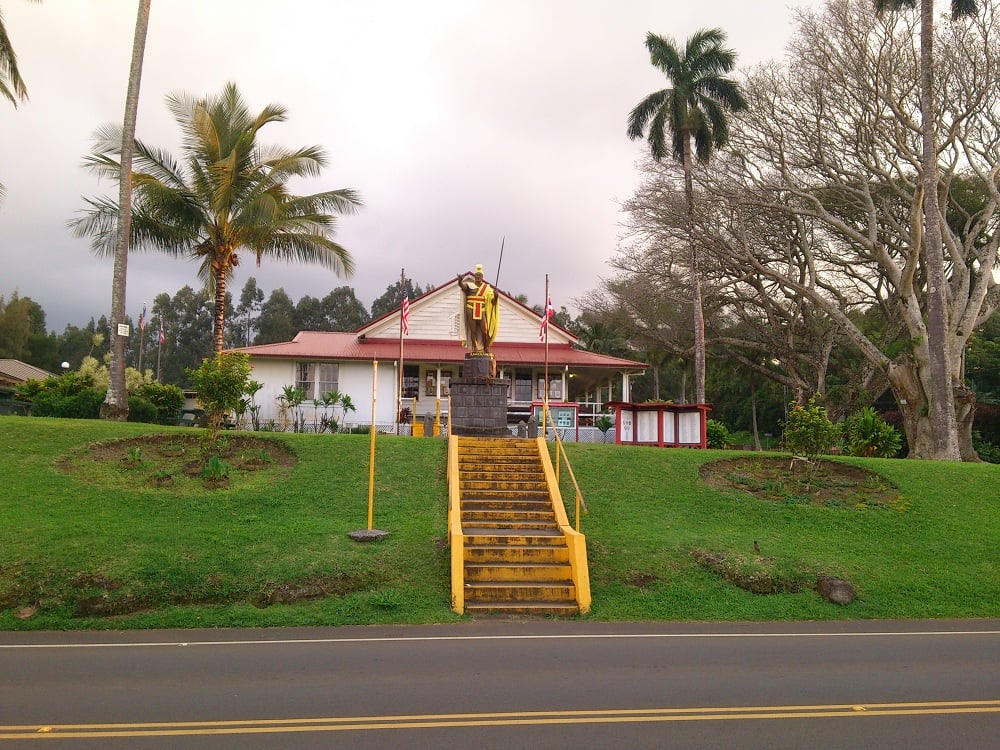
221,383
166,399
866,434
987,451
83,405
141,410
809,431
717,434
69,395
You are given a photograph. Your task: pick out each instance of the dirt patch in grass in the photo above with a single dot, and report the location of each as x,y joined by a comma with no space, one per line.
640,580
796,481
757,574
180,463
318,587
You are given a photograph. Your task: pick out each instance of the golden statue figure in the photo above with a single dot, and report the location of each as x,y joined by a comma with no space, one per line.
482,310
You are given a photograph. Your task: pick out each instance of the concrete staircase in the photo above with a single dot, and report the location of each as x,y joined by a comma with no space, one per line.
515,555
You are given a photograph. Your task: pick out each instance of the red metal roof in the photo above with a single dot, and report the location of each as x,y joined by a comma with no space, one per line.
333,345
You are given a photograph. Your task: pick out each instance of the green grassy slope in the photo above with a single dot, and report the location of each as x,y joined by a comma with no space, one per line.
93,557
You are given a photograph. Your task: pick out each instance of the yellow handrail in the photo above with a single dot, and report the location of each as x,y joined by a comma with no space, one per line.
455,536
561,451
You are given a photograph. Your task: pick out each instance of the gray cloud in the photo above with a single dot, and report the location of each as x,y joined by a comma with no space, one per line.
461,122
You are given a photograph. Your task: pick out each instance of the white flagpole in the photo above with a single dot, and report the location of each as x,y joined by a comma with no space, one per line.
545,396
371,450
399,390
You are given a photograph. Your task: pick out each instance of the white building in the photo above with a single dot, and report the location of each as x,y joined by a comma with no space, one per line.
432,354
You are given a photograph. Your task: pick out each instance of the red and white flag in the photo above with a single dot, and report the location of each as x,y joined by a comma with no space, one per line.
162,336
142,318
405,315
547,313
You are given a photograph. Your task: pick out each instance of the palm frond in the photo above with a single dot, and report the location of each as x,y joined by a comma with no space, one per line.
99,222
644,112
12,86
964,8
884,5
310,248
664,55
655,138
702,41
726,92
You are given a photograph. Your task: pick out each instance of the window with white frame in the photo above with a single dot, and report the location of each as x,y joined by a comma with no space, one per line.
305,377
328,377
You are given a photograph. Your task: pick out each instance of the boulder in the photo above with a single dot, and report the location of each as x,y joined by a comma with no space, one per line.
835,590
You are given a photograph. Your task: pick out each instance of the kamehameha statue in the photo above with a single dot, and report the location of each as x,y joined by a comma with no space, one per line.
482,311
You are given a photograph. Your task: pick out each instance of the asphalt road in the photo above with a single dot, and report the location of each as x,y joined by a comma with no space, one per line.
927,684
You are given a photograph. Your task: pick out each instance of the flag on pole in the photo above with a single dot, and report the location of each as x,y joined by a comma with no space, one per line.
162,336
405,320
142,319
547,313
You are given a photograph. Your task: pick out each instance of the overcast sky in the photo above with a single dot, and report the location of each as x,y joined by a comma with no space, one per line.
460,122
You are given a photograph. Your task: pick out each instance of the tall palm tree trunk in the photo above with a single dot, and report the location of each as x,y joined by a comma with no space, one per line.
942,404
698,314
115,406
219,324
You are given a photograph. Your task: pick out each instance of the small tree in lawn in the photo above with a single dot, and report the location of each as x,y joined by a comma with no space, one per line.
809,431
221,383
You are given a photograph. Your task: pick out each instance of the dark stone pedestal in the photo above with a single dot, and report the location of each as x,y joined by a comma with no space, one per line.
478,400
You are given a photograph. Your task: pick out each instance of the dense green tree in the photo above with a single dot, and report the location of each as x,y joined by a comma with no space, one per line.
343,310
244,320
15,326
692,113
982,363
227,195
309,315
277,319
187,318
23,334
75,343
393,297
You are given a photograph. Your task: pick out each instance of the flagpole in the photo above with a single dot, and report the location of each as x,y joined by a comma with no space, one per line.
545,396
371,448
399,391
142,333
159,350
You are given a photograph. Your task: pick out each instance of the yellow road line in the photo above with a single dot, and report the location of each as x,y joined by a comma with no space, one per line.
435,721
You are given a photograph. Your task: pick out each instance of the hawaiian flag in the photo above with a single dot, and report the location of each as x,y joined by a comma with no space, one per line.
405,319
546,314
142,319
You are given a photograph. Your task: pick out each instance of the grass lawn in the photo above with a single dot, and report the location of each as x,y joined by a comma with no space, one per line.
89,549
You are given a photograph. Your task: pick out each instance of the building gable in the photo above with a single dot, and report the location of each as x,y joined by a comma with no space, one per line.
439,316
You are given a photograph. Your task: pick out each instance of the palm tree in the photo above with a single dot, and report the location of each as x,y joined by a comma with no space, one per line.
227,194
115,406
942,404
693,112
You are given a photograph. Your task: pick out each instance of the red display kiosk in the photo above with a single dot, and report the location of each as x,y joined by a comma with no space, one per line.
661,424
